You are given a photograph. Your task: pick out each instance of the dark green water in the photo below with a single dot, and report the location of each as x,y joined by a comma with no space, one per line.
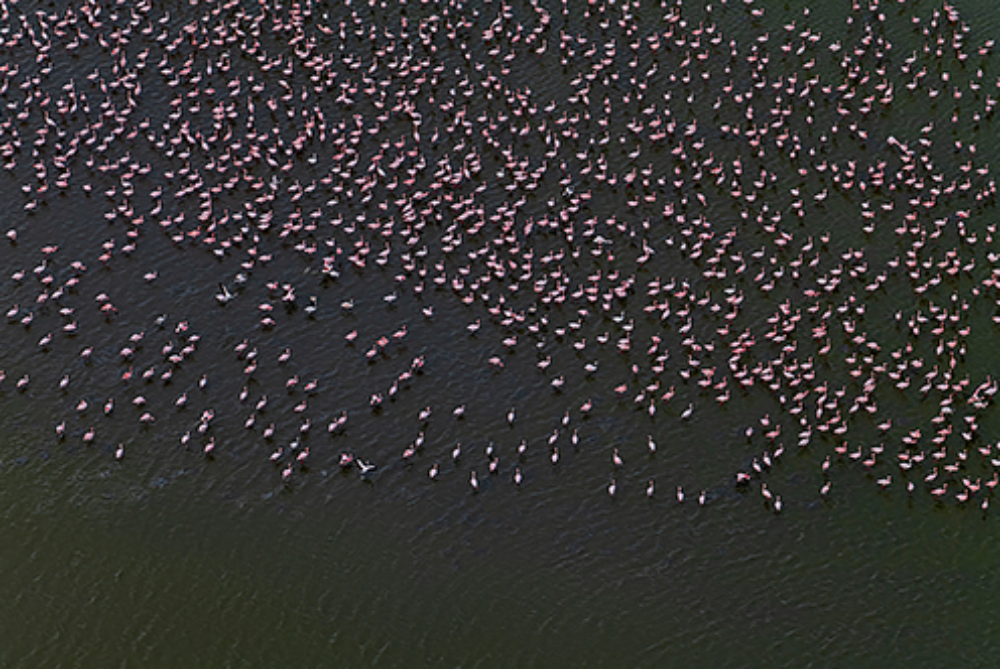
167,558
162,578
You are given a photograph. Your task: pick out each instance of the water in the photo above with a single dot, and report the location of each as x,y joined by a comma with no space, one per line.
167,557
164,578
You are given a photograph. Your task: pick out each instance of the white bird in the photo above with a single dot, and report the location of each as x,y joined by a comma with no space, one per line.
225,296
365,467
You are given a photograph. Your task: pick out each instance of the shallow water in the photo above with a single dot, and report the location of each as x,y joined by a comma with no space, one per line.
167,557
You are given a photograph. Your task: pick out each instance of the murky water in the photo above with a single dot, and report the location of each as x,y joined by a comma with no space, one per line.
136,546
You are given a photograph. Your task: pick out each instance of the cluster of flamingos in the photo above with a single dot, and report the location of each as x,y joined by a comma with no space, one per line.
686,212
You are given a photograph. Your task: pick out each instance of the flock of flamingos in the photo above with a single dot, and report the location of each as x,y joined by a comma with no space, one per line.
676,212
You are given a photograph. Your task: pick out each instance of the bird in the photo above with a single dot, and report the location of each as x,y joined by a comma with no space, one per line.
223,297
365,467
312,307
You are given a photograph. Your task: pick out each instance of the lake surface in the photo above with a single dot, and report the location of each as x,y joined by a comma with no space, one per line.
462,201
